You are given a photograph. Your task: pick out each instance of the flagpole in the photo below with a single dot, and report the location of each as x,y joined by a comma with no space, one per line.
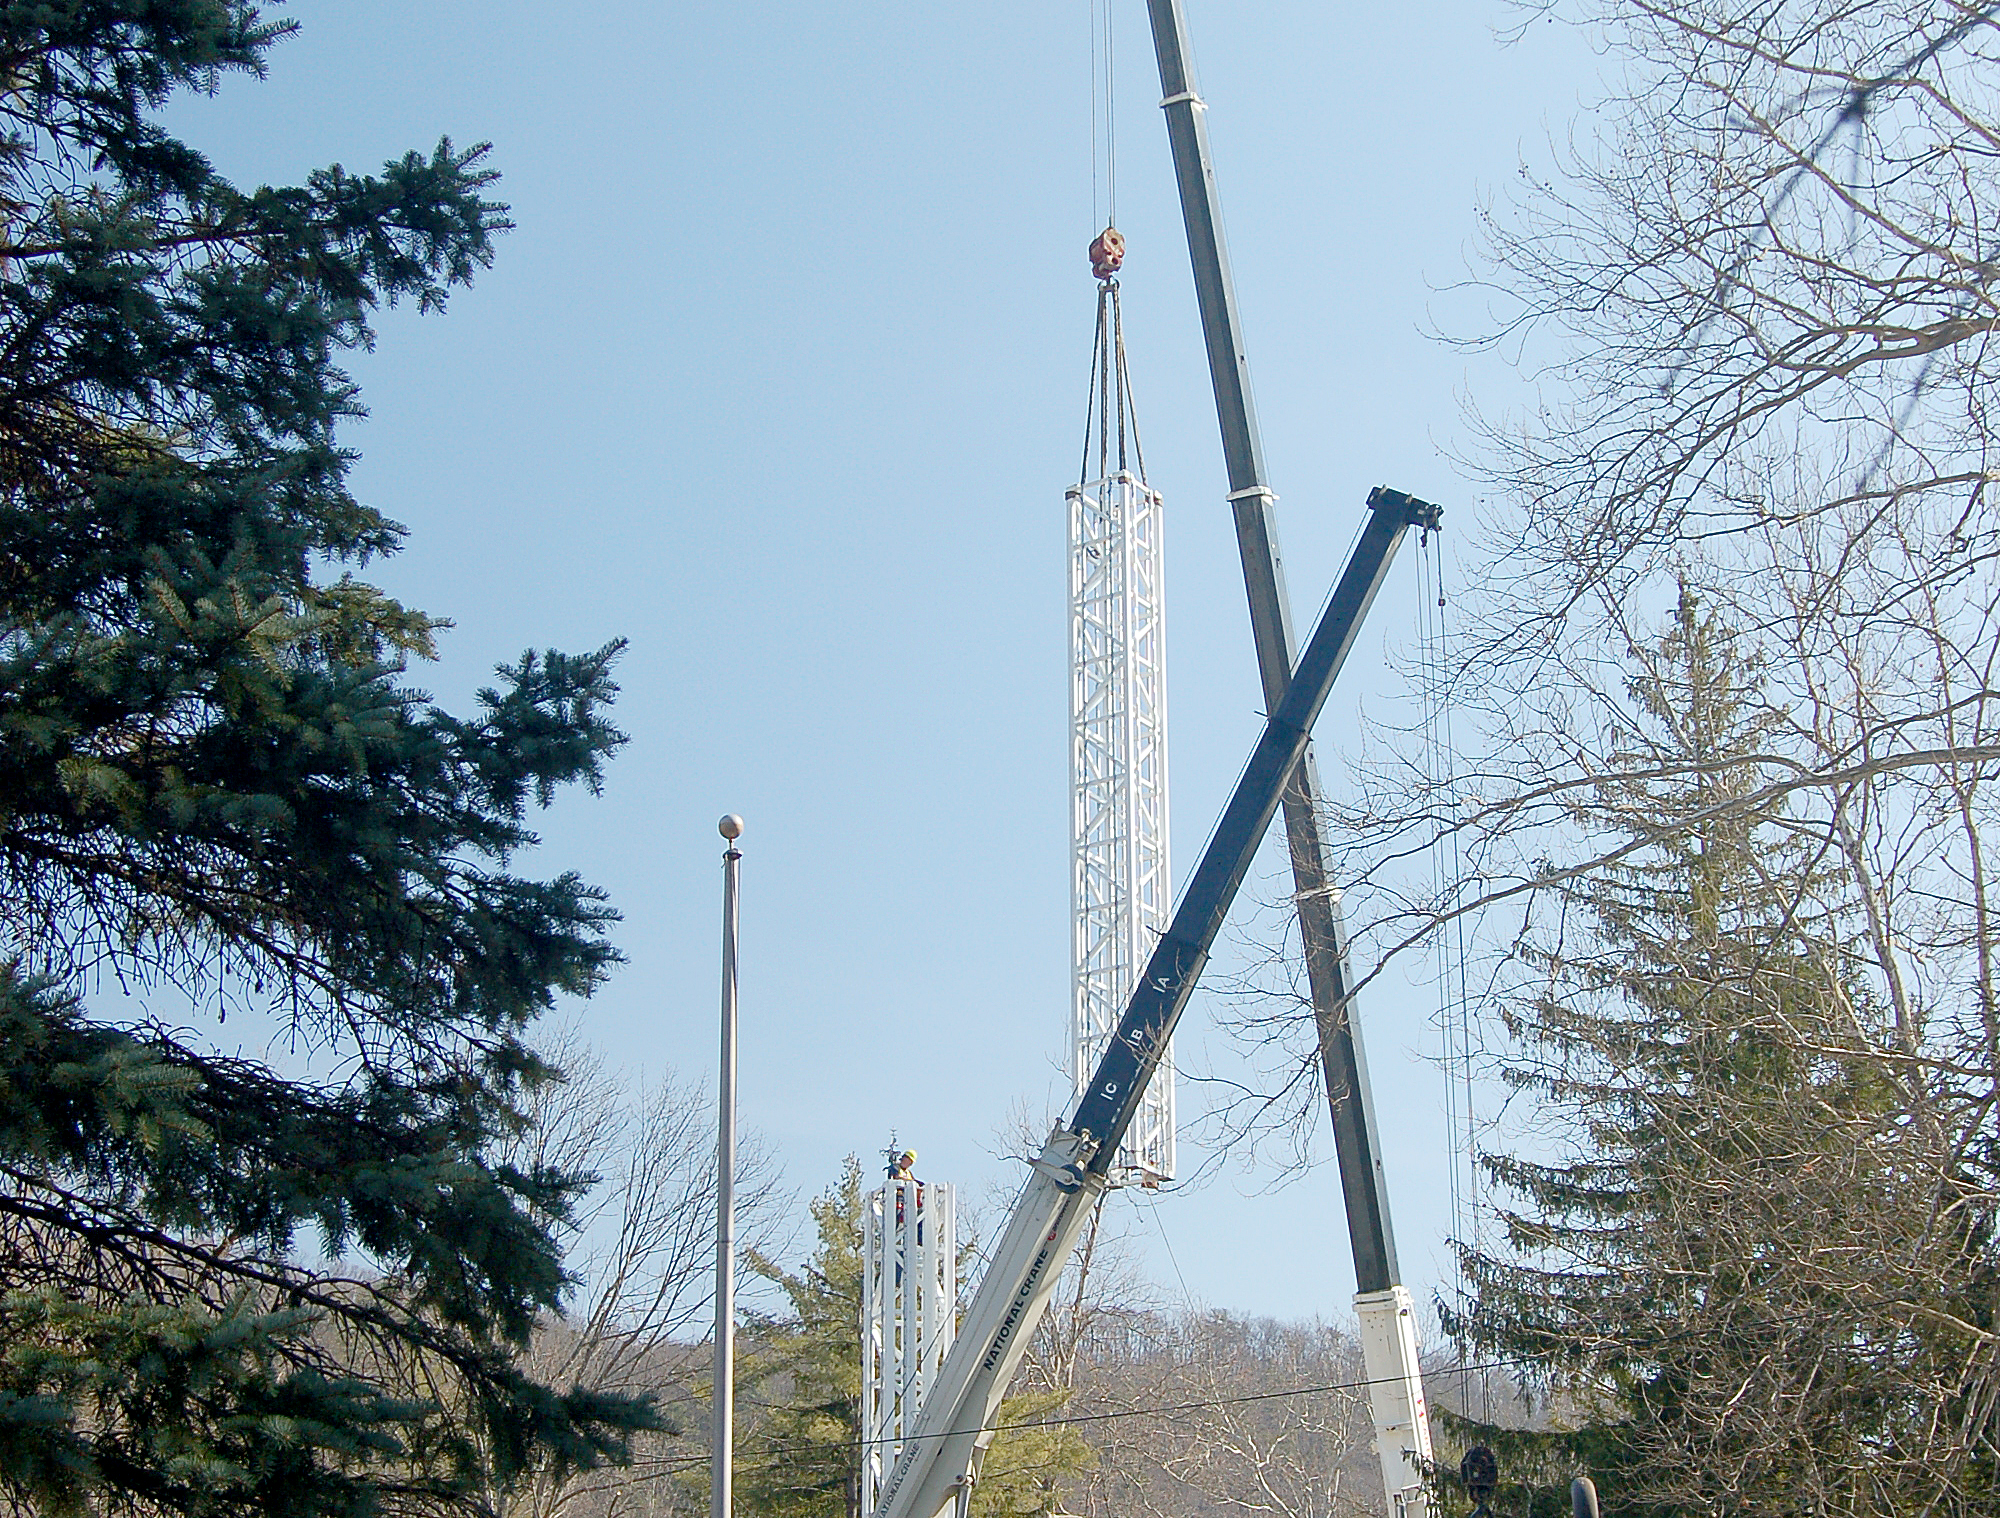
724,1411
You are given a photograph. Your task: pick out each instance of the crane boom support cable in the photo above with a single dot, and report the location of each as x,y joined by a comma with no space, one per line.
1466,1135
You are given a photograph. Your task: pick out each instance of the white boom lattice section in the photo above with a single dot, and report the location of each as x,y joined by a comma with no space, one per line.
909,1295
1121,884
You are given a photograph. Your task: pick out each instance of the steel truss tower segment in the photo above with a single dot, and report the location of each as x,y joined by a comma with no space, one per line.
1121,883
909,1294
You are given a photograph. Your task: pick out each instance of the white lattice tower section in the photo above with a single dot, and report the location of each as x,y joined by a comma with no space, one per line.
909,1291
1120,880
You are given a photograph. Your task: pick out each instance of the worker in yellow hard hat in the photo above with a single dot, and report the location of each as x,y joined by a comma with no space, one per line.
904,1168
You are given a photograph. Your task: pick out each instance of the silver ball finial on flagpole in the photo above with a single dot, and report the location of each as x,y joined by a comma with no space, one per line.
731,827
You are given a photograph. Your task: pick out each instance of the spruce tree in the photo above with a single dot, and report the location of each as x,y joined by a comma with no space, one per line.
1710,1274
226,1287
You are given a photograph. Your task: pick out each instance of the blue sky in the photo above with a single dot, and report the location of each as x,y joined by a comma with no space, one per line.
781,376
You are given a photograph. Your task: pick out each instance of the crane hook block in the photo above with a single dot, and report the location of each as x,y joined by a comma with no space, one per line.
1107,253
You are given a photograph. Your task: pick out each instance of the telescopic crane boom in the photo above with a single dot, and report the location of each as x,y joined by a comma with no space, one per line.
1382,1305
942,1452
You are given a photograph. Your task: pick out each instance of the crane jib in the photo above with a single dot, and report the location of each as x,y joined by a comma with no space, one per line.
941,1455
1133,1053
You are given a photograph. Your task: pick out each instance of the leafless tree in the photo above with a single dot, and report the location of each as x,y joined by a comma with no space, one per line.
643,1252
1200,1413
1755,297
1103,1280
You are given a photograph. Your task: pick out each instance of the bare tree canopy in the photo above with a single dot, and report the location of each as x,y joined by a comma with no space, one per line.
1755,300
641,1244
1776,248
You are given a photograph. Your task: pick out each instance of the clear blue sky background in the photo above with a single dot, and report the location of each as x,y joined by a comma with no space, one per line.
782,376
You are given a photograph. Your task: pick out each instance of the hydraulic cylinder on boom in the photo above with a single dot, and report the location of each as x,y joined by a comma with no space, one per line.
942,1453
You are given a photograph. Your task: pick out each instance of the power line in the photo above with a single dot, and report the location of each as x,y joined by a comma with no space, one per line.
1166,1409
776,1453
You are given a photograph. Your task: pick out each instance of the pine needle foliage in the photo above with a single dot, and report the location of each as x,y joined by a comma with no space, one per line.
801,1458
228,1288
1740,1261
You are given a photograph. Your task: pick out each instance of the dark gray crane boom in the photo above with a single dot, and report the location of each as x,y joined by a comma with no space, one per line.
1250,496
942,1452
1383,1306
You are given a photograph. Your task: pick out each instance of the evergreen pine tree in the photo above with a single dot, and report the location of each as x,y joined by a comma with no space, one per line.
1034,1455
218,791
802,1457
1710,1274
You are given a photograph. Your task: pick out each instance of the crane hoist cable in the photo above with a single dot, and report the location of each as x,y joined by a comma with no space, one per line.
1103,111
1457,1036
1110,404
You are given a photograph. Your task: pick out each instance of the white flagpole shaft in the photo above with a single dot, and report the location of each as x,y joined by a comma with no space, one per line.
724,1410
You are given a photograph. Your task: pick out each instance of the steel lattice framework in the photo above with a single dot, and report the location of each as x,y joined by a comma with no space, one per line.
1121,883
909,1257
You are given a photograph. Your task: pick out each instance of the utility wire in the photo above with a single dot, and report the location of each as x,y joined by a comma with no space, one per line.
1161,1411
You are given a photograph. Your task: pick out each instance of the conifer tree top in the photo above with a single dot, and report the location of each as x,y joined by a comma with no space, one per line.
217,790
